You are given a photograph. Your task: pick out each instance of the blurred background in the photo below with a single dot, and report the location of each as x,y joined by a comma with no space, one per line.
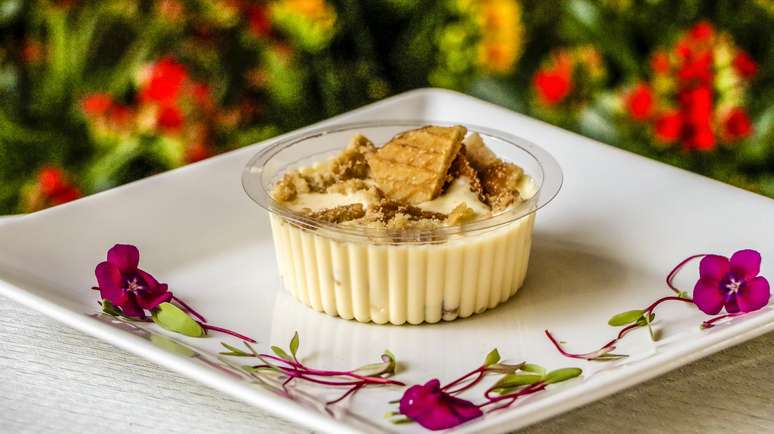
94,94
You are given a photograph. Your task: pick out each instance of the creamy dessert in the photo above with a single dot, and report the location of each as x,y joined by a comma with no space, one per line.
416,230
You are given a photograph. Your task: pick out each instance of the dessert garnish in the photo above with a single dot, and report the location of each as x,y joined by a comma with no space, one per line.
437,407
128,292
286,366
420,179
733,284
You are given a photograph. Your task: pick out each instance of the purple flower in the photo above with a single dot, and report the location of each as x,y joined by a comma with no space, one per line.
733,284
126,286
435,409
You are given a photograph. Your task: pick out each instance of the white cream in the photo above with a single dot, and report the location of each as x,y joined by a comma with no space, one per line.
457,193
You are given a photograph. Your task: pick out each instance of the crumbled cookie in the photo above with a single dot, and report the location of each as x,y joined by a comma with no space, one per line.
412,167
348,186
501,184
340,214
290,186
351,163
461,214
387,210
461,167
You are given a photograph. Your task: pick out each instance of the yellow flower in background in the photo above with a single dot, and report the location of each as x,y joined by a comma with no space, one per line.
310,24
502,35
485,37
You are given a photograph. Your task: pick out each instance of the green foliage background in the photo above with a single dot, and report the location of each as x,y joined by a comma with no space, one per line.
374,48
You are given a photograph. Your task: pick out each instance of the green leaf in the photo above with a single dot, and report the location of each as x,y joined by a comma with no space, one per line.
387,366
233,351
110,309
492,358
280,353
642,322
517,380
172,318
294,344
625,318
533,368
564,374
609,357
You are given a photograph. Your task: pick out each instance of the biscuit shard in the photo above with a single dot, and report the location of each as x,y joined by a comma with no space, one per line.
412,167
499,179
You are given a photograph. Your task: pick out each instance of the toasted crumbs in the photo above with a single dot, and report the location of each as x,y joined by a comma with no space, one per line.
386,210
289,187
351,163
461,167
412,167
348,186
461,214
501,181
340,214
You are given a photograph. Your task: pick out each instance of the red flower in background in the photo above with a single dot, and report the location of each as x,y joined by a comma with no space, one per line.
258,20
55,187
96,104
737,124
639,102
686,84
553,84
745,65
668,127
164,82
170,119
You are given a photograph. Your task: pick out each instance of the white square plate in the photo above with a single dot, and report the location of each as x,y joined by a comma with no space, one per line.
603,246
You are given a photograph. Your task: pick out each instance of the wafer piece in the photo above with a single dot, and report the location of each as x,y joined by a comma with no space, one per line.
412,167
340,214
478,154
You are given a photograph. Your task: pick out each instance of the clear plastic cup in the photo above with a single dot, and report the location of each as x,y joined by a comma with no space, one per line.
371,274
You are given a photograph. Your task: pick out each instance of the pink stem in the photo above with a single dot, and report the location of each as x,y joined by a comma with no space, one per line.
464,377
711,322
352,390
310,371
190,310
475,381
227,331
672,274
513,396
648,310
610,346
626,330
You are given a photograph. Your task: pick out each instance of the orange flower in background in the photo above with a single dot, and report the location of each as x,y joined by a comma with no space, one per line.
501,35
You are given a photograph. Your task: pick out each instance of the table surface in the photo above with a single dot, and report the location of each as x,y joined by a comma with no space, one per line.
56,379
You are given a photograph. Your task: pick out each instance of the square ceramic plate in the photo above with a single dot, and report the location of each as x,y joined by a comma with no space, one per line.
603,246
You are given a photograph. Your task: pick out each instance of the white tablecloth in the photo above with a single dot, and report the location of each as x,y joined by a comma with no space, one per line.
55,379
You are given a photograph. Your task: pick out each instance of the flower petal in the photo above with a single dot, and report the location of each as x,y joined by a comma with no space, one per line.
731,304
708,296
109,282
150,283
434,409
124,256
129,306
753,294
746,264
713,267
151,301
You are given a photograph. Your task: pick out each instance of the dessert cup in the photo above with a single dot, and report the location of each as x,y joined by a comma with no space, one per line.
374,275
